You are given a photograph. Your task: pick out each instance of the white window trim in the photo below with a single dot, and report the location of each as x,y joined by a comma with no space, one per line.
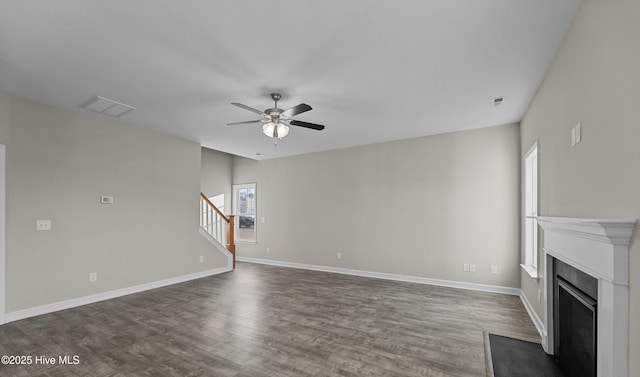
234,207
533,273
530,262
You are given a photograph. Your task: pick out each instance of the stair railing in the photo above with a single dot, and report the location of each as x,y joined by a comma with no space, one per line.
214,221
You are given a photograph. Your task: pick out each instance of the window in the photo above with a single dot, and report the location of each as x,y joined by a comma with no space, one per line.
244,207
218,201
530,263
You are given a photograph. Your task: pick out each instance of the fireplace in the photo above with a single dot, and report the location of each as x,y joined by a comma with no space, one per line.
575,310
599,249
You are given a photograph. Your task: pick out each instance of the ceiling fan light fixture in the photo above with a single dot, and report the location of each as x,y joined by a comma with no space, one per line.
283,130
267,129
279,130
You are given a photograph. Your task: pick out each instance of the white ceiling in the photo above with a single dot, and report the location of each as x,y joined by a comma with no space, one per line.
373,71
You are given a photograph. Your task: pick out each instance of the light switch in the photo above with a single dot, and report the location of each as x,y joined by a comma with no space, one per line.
576,134
106,199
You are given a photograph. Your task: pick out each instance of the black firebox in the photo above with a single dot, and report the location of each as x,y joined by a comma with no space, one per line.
575,311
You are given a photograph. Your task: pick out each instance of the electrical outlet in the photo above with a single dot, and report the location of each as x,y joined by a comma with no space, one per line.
43,224
268,249
338,255
202,259
465,267
494,268
93,276
472,267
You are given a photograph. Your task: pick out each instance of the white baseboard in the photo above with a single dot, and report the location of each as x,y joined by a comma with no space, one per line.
72,303
68,304
382,275
537,322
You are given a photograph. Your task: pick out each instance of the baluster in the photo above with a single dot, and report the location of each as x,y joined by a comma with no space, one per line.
215,226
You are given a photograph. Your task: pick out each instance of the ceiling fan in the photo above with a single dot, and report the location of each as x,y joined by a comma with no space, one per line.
276,121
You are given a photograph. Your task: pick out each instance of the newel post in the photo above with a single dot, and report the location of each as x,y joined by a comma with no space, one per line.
231,246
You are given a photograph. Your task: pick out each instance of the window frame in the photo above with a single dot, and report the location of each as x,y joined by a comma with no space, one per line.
530,208
234,206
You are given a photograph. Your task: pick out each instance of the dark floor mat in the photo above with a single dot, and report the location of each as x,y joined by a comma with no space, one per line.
519,358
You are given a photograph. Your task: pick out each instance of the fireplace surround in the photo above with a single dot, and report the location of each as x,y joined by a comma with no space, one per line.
600,248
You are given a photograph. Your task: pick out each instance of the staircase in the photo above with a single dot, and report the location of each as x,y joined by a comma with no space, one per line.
217,225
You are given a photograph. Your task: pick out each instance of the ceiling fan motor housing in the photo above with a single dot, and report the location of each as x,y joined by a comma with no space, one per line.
274,112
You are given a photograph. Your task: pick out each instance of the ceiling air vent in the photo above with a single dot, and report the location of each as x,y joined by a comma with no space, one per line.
106,106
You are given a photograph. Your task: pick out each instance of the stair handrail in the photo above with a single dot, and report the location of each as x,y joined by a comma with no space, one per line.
230,244
204,197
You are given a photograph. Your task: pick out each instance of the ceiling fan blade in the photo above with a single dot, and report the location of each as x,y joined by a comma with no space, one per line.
245,122
247,108
301,108
300,123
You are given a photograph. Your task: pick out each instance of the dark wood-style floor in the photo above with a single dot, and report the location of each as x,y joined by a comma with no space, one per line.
263,321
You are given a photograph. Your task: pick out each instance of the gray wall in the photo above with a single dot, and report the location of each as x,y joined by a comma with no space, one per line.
59,163
419,207
216,175
595,80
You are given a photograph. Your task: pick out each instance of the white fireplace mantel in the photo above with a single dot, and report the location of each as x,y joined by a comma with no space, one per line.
599,247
